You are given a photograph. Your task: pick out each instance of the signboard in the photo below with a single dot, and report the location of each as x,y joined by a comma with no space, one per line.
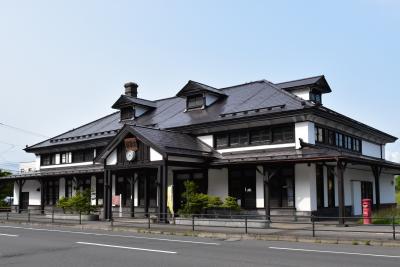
131,147
116,200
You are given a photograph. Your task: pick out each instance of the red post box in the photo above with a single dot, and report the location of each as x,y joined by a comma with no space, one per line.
367,210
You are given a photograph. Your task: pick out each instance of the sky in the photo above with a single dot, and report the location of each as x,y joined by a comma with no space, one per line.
64,63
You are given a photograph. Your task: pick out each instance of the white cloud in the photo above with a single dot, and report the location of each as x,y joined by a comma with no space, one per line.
394,156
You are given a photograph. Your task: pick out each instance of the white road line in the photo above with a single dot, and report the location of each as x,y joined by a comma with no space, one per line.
111,235
9,235
131,248
335,252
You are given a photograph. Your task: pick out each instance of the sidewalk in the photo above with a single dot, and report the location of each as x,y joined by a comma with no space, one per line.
302,232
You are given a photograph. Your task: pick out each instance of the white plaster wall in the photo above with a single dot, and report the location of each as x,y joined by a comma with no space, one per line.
16,194
30,186
62,188
259,187
113,184
387,188
305,187
68,165
139,110
371,149
356,197
37,160
208,139
93,189
306,131
27,166
154,155
303,93
251,148
325,186
210,99
112,158
383,151
218,182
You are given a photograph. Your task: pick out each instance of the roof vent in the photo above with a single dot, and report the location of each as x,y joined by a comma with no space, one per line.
131,89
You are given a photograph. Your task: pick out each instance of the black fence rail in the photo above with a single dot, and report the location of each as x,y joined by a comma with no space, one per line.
246,223
259,224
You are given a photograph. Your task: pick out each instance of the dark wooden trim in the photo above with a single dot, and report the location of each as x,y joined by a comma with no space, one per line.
340,168
377,170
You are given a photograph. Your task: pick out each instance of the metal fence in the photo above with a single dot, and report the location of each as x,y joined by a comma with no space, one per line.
245,224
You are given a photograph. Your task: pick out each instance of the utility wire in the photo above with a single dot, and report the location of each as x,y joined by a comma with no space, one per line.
23,130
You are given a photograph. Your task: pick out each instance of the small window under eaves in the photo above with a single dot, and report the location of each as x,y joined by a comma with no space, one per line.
195,101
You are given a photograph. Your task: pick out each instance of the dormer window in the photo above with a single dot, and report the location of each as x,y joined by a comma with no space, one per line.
195,101
316,97
127,113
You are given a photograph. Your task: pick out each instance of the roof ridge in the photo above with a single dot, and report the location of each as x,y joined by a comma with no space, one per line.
238,85
302,79
73,129
295,97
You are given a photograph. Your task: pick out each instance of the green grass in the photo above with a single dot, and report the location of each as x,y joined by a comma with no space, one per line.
386,216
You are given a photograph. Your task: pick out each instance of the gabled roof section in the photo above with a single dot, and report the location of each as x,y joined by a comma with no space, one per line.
193,87
317,82
126,101
163,141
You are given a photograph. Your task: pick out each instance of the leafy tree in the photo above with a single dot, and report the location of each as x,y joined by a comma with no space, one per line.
397,180
6,188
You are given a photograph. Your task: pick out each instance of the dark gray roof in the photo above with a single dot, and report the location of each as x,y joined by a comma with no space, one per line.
125,100
170,112
242,101
318,81
163,141
85,169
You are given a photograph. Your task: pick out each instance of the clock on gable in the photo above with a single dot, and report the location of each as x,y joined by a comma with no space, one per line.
130,148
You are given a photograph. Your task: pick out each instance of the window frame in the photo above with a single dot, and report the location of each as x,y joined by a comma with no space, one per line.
196,97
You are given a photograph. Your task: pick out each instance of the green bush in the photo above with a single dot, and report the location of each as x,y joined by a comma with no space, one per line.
80,202
214,202
231,203
197,203
4,204
385,216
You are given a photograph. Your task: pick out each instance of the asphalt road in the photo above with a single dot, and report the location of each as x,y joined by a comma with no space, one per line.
35,246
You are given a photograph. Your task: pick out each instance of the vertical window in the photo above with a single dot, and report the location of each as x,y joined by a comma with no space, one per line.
261,136
282,134
319,134
68,187
239,138
127,113
221,141
331,187
51,192
195,101
339,139
320,186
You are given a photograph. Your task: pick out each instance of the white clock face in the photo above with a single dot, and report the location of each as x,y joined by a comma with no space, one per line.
130,155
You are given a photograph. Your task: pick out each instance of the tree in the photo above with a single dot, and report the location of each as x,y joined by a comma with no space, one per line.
397,180
6,188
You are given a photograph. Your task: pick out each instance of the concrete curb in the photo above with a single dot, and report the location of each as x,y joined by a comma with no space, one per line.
225,236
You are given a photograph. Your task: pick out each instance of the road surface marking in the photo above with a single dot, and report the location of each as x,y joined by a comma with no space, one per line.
335,252
111,235
8,235
131,248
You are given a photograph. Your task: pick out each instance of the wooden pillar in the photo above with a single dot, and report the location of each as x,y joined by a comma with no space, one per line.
20,184
340,167
146,194
267,195
105,196
164,191
107,202
41,196
377,170
132,184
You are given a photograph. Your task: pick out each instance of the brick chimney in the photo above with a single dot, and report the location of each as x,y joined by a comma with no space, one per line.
131,89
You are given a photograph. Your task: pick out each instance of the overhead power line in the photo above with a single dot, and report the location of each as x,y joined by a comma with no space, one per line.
23,130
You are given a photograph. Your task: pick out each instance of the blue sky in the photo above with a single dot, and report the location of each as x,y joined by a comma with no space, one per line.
63,63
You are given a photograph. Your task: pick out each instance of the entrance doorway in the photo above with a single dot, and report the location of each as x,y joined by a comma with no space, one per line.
24,200
242,186
281,187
